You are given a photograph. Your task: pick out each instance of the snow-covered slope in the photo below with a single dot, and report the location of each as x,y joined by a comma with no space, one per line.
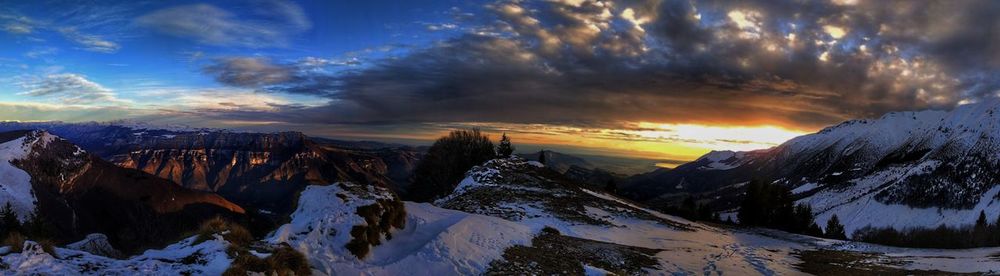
75,193
184,258
904,169
15,184
437,241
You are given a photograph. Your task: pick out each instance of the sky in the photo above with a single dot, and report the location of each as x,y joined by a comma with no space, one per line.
667,80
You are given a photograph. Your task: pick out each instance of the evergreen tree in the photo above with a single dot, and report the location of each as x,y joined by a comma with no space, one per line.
753,205
541,157
834,229
803,220
8,220
813,230
37,227
980,232
771,205
446,162
689,209
611,187
704,213
505,149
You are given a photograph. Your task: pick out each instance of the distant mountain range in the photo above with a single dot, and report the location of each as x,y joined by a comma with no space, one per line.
562,162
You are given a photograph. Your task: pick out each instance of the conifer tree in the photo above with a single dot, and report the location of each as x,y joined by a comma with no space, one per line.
980,232
8,220
446,162
505,149
834,229
37,227
611,187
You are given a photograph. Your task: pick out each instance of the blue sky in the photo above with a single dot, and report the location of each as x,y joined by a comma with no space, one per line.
669,79
124,47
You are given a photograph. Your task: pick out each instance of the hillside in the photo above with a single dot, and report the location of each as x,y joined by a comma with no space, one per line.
258,170
527,229
78,194
905,169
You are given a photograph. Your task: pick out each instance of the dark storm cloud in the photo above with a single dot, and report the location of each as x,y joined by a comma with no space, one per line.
602,63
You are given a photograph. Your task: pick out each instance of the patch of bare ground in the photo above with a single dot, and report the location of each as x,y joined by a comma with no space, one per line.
835,262
507,186
551,253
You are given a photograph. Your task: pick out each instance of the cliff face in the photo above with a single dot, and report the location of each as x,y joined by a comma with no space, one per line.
256,170
78,194
263,170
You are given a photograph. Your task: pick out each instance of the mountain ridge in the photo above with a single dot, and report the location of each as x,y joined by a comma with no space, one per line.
923,160
78,194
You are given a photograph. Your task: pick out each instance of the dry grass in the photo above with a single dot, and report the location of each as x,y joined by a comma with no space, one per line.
243,262
553,254
834,262
48,246
380,218
234,233
283,261
15,240
288,261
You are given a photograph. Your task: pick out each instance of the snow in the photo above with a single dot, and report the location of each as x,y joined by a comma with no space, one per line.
436,240
593,271
168,261
321,225
15,184
439,241
448,242
857,207
536,164
97,244
804,188
715,160
842,165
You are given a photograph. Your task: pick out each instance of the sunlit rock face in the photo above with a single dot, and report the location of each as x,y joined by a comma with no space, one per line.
263,170
256,170
76,193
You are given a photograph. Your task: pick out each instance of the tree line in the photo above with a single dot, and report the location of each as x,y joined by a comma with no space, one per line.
981,234
772,206
14,232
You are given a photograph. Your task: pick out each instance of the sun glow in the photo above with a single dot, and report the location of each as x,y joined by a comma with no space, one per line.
719,137
676,142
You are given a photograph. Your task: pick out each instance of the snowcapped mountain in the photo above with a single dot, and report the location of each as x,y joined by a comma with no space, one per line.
78,194
15,184
905,169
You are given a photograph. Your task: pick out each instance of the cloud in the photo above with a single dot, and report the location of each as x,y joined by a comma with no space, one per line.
40,52
16,24
608,63
58,112
439,26
17,28
70,89
22,25
269,24
248,72
93,43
